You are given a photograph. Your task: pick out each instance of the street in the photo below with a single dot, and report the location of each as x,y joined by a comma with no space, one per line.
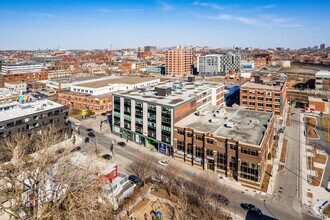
284,204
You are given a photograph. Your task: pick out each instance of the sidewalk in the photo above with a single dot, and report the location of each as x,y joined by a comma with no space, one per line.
278,151
311,196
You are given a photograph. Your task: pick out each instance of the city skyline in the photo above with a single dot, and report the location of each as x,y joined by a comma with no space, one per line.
129,24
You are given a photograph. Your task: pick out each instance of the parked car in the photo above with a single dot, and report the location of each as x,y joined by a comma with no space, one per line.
104,114
91,134
76,149
106,156
93,116
251,208
90,130
293,114
220,198
137,180
163,162
122,144
86,139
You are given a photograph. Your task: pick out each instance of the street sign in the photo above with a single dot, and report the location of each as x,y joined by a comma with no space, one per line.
162,148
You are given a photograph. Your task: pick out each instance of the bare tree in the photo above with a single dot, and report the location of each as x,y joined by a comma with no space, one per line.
141,167
46,185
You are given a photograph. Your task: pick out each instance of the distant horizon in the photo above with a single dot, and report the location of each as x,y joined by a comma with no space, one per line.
33,24
160,48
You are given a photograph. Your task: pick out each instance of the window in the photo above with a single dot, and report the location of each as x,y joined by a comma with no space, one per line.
180,132
209,153
260,104
268,105
233,146
199,152
249,152
232,163
199,138
180,145
222,161
249,170
190,149
252,92
269,99
244,91
260,92
189,134
209,141
268,93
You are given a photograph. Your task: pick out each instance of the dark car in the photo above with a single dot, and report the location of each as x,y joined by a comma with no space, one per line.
104,114
86,139
251,208
220,198
76,149
106,156
122,144
90,130
137,180
91,134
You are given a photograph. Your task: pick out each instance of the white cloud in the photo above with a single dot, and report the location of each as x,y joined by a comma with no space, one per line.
228,17
46,15
207,4
164,6
266,7
104,10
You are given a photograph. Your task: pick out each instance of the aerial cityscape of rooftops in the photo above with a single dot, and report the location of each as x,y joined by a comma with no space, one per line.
152,131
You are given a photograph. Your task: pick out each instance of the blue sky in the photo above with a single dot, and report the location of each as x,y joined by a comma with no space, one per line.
95,24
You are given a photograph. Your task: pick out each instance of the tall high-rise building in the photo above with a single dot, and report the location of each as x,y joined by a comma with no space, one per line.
150,48
218,64
322,47
178,61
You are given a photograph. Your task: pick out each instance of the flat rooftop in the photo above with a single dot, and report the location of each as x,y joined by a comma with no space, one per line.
246,126
178,96
324,73
123,80
253,85
76,78
17,110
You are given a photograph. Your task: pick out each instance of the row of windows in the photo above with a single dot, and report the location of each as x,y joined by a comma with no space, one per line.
261,92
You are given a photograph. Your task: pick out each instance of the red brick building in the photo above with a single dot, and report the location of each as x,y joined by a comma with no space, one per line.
233,142
261,97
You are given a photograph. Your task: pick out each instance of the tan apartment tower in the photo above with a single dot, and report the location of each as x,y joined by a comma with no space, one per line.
178,61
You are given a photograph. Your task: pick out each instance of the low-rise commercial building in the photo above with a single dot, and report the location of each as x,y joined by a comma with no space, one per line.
147,116
97,96
270,97
53,74
17,88
22,72
318,105
233,142
322,80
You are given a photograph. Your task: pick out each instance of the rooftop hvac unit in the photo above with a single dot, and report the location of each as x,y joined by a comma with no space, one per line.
201,113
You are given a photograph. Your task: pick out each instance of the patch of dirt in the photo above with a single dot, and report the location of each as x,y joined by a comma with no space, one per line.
161,193
284,149
326,211
316,180
265,182
280,167
311,122
325,121
310,195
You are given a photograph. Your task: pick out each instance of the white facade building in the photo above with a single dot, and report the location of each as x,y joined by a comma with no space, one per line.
17,88
218,64
111,85
20,68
